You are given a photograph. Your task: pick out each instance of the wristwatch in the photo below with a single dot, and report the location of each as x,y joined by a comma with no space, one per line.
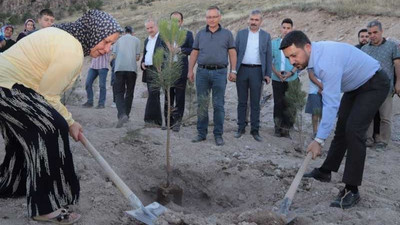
320,141
234,71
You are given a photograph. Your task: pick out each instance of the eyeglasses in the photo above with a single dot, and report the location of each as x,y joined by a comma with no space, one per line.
212,17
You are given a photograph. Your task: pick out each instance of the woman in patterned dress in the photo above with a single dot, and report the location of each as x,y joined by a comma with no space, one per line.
35,124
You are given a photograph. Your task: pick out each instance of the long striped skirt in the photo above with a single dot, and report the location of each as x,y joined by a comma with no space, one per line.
38,161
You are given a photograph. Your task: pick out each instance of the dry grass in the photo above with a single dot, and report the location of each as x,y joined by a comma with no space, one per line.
235,10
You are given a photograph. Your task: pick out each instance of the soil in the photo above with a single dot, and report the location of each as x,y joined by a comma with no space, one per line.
240,183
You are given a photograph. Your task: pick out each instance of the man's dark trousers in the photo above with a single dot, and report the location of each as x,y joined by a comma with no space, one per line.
124,86
281,118
249,78
152,112
356,112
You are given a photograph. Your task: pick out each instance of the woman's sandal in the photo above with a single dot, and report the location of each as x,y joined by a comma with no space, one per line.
64,217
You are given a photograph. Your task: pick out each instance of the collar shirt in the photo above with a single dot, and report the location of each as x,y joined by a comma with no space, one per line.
148,58
277,58
341,68
252,53
385,53
213,47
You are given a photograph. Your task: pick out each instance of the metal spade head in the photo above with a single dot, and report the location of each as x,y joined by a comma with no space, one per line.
147,214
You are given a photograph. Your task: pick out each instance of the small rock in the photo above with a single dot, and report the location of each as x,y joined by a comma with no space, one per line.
237,154
335,191
172,218
278,172
383,172
109,185
242,197
156,143
98,199
360,214
248,147
287,181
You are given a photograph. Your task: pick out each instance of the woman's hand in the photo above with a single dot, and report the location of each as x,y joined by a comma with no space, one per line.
74,130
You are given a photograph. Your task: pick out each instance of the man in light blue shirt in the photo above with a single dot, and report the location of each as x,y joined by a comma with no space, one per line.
341,68
282,74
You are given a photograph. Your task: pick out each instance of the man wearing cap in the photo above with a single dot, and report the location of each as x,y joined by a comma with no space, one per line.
126,52
211,48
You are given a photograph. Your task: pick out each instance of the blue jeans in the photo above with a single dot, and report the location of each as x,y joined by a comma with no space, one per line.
92,74
207,80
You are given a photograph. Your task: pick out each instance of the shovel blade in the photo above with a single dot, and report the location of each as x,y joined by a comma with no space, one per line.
155,210
284,211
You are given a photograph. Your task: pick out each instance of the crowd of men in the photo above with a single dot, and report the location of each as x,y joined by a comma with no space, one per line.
366,73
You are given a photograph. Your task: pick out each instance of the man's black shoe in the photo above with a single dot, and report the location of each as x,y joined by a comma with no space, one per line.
346,199
256,136
176,128
87,105
318,175
198,139
239,133
219,141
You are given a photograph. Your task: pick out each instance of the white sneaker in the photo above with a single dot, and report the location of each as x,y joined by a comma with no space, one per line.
113,105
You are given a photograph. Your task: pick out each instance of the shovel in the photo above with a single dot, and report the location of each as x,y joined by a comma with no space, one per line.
287,201
146,214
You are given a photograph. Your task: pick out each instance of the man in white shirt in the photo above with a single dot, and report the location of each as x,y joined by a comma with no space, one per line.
152,115
253,47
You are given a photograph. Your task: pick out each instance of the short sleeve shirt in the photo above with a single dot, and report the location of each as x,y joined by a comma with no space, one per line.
385,53
213,47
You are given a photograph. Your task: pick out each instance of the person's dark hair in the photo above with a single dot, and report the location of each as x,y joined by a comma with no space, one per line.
46,12
214,7
296,37
128,29
176,12
375,23
361,31
287,20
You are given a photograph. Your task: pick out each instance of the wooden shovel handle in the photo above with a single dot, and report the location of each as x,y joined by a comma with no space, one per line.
106,167
296,181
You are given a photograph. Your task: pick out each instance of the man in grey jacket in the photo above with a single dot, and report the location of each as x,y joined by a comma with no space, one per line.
253,47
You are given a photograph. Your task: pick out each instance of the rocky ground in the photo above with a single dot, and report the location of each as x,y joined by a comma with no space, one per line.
240,183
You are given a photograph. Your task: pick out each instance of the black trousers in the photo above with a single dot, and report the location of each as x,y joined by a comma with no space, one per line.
152,112
38,161
356,112
177,96
281,117
249,78
124,86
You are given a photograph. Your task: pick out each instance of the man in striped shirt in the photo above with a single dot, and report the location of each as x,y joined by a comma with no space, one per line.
98,67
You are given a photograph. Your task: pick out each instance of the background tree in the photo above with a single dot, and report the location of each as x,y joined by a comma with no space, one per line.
168,64
296,99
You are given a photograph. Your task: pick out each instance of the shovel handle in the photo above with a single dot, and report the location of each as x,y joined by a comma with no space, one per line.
296,181
126,191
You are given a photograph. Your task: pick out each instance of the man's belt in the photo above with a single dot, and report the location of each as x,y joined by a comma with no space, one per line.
212,67
251,65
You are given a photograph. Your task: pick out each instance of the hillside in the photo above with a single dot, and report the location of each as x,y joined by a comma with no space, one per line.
226,185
